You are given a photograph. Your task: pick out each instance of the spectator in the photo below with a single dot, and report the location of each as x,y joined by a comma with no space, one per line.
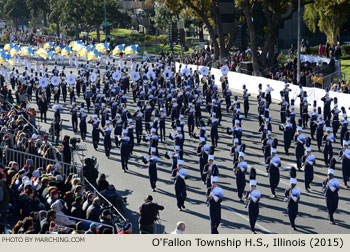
94,228
2,228
180,228
320,50
89,199
106,218
127,228
148,214
45,223
102,183
94,211
54,195
113,196
77,208
27,226
26,202
4,200
90,172
61,218
79,228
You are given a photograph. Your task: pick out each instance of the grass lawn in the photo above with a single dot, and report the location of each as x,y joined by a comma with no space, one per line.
158,48
345,68
115,33
136,38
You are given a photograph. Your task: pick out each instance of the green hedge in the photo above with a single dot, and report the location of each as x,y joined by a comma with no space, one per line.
345,49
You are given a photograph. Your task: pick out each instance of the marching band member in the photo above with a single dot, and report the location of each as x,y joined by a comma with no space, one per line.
292,197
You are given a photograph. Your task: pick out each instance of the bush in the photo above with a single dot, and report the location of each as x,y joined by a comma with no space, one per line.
345,49
282,58
313,50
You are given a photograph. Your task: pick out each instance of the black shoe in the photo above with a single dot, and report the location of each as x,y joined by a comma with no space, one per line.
183,206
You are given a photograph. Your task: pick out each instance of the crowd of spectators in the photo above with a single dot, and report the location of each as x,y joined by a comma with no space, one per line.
205,57
28,187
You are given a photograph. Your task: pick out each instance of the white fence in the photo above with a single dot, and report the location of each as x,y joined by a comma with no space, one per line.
237,80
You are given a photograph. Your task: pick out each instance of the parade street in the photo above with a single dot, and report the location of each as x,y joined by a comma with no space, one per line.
273,217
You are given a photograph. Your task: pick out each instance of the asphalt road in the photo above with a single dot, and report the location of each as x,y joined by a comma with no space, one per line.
273,218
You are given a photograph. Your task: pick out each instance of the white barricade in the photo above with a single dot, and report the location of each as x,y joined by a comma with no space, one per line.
237,80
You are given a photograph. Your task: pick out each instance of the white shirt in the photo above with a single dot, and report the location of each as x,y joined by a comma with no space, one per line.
176,231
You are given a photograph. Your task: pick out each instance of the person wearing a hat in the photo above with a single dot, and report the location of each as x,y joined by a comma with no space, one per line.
214,134
344,125
344,155
313,120
299,141
94,228
124,149
118,129
95,131
319,131
162,118
82,124
292,197
107,142
210,169
327,141
273,164
283,105
215,196
287,133
179,176
239,169
74,112
152,167
138,115
153,141
335,118
327,101
130,129
252,200
266,145
202,153
330,188
309,161
246,101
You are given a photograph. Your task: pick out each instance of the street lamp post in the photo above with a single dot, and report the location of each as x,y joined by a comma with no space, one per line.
298,63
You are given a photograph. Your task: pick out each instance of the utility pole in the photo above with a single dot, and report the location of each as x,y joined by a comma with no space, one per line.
298,63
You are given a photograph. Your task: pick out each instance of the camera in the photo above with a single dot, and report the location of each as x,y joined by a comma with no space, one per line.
73,141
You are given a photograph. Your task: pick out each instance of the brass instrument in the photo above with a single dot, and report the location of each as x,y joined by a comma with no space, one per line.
134,86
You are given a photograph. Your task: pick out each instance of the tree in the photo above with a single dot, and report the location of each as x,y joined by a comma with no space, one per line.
94,15
276,12
208,12
328,15
37,7
73,12
162,16
15,10
55,14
